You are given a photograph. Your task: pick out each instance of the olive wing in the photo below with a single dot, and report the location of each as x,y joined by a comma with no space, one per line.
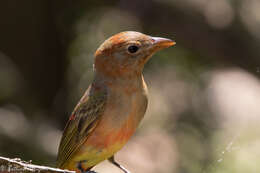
83,120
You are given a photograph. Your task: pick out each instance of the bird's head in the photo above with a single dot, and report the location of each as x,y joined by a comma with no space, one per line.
125,54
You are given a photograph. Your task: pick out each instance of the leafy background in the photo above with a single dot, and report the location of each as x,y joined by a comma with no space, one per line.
204,108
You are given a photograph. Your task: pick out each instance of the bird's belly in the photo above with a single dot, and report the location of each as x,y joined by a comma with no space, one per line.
101,144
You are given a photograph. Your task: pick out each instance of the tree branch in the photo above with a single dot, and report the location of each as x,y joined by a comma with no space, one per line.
16,165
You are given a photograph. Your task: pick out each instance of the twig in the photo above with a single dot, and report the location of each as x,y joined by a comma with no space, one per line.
8,165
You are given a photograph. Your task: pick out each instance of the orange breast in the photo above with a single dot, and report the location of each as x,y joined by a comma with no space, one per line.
105,136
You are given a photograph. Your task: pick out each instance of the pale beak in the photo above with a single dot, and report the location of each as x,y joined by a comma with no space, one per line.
160,43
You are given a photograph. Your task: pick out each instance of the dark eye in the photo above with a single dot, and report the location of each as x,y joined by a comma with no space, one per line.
132,49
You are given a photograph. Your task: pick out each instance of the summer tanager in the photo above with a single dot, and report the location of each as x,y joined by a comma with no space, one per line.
114,104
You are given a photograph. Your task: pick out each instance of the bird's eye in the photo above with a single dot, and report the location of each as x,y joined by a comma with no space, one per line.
132,49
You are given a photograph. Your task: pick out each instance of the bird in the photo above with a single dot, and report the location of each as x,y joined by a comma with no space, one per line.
112,107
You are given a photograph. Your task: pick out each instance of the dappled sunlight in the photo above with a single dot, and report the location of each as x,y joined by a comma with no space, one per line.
234,96
250,15
13,122
219,14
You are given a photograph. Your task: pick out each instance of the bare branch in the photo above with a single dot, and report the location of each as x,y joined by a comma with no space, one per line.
8,165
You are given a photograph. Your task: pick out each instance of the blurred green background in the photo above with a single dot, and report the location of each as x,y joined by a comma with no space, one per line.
204,103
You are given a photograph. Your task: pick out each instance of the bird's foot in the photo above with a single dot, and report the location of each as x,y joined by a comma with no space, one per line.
112,160
82,170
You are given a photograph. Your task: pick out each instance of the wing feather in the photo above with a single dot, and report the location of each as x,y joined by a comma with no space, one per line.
83,120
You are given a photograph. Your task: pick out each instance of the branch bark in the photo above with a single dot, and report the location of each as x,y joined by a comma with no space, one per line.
16,165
